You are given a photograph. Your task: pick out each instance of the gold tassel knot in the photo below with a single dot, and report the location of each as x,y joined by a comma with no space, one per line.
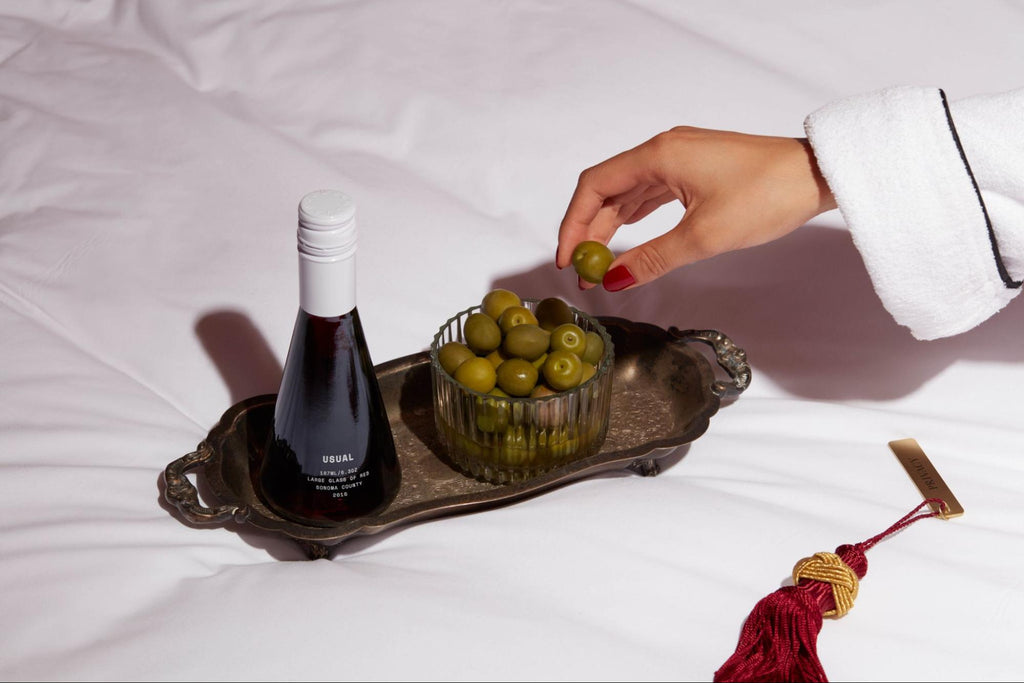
829,568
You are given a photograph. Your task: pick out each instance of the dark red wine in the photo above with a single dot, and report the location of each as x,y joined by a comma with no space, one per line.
330,455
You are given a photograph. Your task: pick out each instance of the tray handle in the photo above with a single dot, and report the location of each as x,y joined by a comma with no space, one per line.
180,492
730,357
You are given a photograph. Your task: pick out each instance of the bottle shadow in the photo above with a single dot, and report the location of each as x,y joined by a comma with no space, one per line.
240,352
804,310
249,368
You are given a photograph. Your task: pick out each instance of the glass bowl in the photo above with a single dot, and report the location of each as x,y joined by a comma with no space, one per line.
504,439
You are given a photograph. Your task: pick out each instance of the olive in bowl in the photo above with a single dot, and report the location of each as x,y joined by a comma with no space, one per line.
526,424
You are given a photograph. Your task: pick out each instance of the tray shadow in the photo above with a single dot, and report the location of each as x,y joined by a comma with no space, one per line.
274,544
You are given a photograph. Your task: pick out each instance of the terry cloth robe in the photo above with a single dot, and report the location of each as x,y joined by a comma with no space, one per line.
933,194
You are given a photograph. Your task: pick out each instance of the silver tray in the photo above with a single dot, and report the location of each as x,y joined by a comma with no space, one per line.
664,394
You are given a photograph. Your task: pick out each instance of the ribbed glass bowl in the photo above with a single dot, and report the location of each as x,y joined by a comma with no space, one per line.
503,440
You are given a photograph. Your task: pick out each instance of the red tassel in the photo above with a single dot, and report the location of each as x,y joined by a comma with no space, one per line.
778,641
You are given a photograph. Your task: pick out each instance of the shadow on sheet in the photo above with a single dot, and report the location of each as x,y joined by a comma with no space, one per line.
804,310
802,307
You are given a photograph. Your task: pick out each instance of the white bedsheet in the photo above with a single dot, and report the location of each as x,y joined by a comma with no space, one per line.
152,158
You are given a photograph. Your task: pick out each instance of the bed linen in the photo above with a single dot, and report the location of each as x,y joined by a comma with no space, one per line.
153,157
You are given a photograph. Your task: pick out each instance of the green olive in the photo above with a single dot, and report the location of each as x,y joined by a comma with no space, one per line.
486,422
481,333
492,414
539,362
516,315
591,260
562,369
468,446
517,377
497,300
563,450
526,341
569,337
452,354
497,357
552,312
514,456
477,374
542,390
594,351
589,370
514,439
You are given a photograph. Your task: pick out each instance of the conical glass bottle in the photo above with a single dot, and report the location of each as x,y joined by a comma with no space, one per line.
331,455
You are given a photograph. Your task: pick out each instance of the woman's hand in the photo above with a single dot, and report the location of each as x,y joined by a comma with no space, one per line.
738,191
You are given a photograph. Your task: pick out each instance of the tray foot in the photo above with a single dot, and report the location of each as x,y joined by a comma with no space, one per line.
646,467
314,551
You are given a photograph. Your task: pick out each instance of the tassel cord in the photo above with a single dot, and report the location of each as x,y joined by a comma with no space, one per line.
939,509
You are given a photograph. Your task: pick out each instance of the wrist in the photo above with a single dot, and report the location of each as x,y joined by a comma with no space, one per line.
825,200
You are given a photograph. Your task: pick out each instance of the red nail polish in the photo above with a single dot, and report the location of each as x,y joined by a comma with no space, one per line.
618,278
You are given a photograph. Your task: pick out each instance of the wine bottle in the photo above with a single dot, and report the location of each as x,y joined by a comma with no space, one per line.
330,455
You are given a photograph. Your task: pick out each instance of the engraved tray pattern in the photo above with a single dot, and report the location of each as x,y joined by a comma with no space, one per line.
664,394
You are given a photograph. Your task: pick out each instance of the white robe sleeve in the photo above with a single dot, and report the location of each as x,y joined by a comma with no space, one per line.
933,194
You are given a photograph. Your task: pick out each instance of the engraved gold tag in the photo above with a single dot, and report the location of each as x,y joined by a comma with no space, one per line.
925,476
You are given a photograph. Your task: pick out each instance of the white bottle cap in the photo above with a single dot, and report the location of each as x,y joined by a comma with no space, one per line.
327,246
327,225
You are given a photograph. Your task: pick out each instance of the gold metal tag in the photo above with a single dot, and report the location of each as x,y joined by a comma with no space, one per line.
925,476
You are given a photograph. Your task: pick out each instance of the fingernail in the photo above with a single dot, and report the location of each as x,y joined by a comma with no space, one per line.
618,278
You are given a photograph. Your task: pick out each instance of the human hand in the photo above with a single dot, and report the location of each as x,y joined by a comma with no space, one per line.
738,191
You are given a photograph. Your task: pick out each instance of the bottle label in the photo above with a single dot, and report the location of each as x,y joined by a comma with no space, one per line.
327,288
339,476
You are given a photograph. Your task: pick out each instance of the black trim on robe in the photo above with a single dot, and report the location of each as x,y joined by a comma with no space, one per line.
1003,273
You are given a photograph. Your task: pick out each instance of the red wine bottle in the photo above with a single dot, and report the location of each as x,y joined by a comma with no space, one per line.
330,455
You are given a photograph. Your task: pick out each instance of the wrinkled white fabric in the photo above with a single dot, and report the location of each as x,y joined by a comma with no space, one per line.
906,176
153,157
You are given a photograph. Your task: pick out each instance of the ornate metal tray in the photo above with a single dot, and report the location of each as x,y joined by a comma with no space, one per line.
664,394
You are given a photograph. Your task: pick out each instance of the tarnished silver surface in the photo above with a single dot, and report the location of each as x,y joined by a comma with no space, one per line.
664,394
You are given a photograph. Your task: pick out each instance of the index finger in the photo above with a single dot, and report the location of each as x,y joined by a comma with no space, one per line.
617,175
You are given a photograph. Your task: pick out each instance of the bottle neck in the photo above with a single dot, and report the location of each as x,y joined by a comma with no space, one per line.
327,286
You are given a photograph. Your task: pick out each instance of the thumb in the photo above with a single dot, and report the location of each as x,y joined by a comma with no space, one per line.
655,258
